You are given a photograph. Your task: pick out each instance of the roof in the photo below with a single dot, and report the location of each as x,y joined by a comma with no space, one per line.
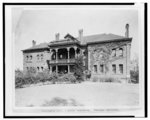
101,38
85,40
69,39
39,46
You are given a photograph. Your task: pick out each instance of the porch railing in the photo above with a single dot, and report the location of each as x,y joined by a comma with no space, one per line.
62,61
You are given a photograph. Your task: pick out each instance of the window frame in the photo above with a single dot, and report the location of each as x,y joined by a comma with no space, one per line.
114,66
120,69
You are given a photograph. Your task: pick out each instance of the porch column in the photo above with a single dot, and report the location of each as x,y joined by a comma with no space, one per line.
56,68
68,55
56,55
68,68
50,69
50,51
75,48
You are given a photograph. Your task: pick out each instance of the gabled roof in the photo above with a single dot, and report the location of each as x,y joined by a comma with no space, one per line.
85,40
39,46
69,39
101,38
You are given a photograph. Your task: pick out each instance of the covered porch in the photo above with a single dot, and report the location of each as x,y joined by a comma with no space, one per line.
62,69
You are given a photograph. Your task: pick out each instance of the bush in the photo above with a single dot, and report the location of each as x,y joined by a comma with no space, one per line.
95,79
87,74
31,77
68,78
78,69
105,79
109,79
54,77
134,76
19,81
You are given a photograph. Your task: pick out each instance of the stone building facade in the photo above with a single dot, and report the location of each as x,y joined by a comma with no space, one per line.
103,54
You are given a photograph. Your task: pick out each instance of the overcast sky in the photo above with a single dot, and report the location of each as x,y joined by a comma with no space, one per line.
41,24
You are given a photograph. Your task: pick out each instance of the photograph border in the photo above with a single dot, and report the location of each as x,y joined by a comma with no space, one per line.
145,60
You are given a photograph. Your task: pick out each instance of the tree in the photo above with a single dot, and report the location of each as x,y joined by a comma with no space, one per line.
79,68
134,73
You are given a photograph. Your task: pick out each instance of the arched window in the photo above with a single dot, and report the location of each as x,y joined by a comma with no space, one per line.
113,52
121,68
95,68
102,68
38,69
27,58
37,57
120,51
30,57
114,69
41,56
42,68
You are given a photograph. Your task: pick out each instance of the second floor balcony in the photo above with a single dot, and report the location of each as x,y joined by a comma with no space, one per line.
71,60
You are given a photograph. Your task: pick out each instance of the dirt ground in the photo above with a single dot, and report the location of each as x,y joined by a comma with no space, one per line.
84,94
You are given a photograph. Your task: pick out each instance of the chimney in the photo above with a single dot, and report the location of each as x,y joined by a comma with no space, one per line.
127,31
80,34
33,42
57,36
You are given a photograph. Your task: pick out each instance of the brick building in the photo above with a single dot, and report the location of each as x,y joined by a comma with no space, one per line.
103,54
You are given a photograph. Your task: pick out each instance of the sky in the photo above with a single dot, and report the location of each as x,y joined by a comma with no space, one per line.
42,23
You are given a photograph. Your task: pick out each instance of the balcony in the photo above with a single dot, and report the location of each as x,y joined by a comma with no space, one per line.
62,61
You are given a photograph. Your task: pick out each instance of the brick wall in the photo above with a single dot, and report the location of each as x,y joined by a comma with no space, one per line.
36,61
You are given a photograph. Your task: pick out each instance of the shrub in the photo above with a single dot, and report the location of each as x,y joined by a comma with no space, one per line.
87,74
54,77
105,79
19,79
43,76
134,76
30,76
68,78
79,68
109,79
95,79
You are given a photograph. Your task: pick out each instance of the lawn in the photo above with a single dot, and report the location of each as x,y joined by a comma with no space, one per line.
84,94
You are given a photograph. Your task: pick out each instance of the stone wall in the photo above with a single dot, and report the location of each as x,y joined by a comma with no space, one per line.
102,55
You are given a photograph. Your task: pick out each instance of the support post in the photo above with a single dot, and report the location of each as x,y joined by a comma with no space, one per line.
68,68
68,54
56,55
56,68
50,69
75,52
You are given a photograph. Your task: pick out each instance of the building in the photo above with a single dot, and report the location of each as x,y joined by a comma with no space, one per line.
103,54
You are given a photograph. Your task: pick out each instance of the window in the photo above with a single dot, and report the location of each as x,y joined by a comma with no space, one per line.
38,68
27,68
37,57
27,58
121,68
30,57
120,51
95,68
42,68
113,52
114,68
83,62
41,56
102,68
